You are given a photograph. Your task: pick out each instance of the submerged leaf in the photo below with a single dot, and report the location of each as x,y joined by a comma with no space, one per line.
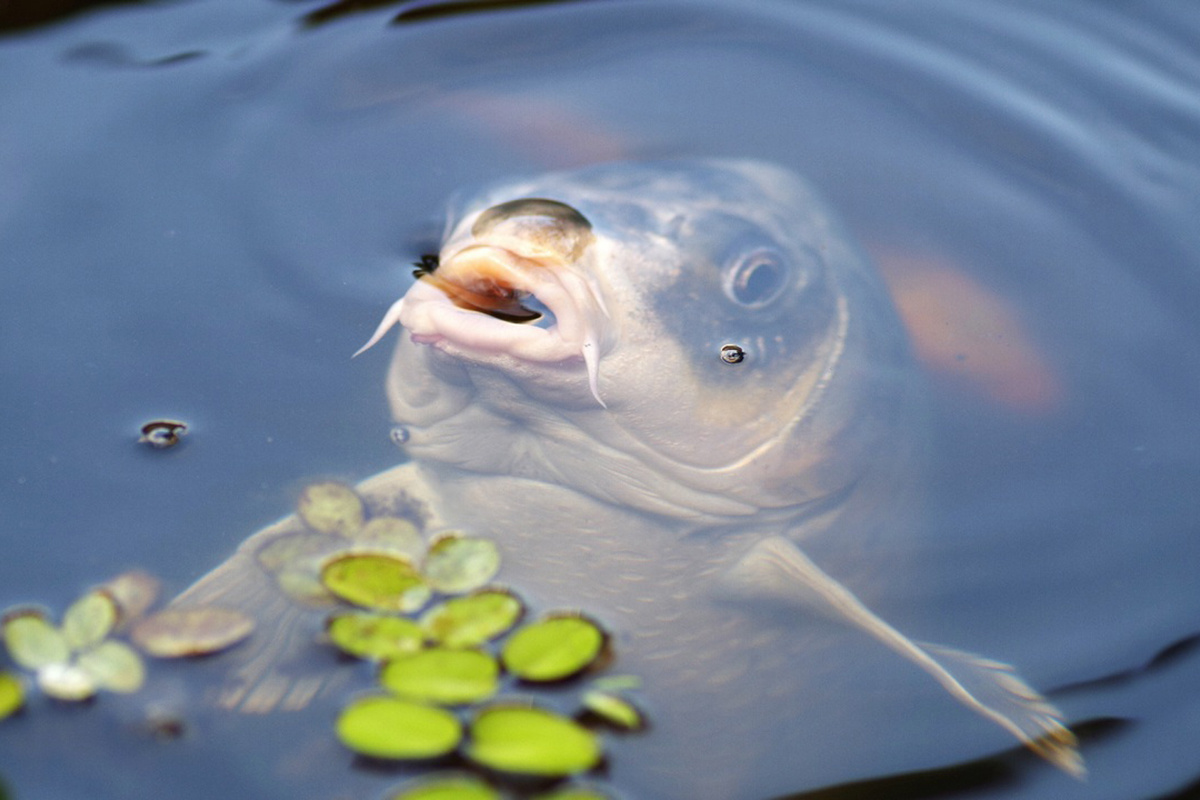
32,641
448,677
457,564
386,727
331,508
553,648
65,681
194,631
531,741
392,535
89,619
114,666
378,581
12,694
448,787
134,592
471,620
374,636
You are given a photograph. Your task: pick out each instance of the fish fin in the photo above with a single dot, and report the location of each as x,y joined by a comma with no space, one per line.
775,569
278,667
390,319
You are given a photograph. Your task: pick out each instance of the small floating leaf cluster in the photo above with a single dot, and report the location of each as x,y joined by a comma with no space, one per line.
81,656
449,645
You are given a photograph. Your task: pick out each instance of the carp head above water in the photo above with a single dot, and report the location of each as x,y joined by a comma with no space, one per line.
651,385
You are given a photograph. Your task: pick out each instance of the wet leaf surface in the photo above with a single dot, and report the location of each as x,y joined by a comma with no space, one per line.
387,727
33,642
458,564
89,620
438,675
375,637
113,666
376,581
553,648
531,741
12,694
613,709
331,508
472,620
450,787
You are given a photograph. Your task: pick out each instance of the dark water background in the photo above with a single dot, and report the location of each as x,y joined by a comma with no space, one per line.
206,206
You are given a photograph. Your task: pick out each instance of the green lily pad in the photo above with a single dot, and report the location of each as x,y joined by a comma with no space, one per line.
392,535
66,681
378,581
32,641
553,648
194,631
457,564
374,636
331,508
613,709
387,727
448,787
471,620
89,619
438,675
531,741
12,694
113,666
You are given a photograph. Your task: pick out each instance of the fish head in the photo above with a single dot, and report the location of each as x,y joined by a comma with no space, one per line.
697,339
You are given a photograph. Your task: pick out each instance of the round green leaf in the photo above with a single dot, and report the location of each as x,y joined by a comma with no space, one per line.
471,620
12,694
387,727
449,677
331,508
33,642
193,631
613,709
553,648
449,787
64,681
89,619
531,741
374,636
113,666
378,581
457,564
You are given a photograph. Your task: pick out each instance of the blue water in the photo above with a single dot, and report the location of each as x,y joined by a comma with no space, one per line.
205,207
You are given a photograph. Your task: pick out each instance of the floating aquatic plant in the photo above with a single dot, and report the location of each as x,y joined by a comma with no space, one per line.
443,676
377,581
381,726
447,787
375,637
473,619
457,564
12,694
74,660
531,741
191,631
553,648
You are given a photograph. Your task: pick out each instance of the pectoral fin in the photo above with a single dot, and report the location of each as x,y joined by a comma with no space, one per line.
776,570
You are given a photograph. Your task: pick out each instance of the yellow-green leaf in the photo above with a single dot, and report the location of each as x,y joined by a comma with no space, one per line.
89,619
471,620
387,727
447,677
374,636
113,666
12,694
378,581
613,709
33,642
448,787
457,564
553,648
531,741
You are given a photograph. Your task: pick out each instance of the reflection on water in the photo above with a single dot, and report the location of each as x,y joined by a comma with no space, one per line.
210,241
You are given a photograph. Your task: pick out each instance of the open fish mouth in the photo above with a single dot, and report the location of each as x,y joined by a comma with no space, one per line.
484,300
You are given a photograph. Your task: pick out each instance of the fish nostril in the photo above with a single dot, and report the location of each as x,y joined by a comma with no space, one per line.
545,228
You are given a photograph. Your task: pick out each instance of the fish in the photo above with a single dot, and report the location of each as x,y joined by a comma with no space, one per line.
658,387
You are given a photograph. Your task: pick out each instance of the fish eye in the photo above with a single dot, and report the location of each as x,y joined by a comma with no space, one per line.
757,278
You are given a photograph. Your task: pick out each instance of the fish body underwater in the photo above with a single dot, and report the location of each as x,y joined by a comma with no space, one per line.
657,386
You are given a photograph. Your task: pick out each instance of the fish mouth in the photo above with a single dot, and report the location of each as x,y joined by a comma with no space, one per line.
485,300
